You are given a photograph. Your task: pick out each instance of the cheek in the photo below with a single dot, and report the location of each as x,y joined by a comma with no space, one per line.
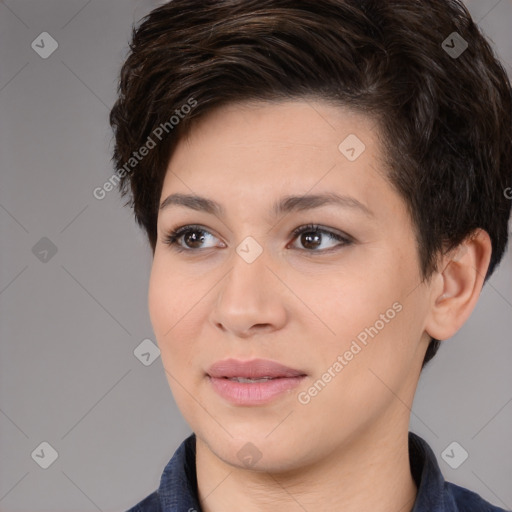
171,298
173,291
350,301
370,364
161,305
375,317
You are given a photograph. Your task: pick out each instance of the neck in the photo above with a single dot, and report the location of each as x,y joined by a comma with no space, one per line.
371,472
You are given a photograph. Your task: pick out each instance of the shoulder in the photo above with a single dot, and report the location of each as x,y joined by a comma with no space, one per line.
435,494
149,504
178,483
469,501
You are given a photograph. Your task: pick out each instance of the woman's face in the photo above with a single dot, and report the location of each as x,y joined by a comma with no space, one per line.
344,307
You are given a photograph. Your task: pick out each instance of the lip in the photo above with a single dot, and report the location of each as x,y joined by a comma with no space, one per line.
252,369
283,379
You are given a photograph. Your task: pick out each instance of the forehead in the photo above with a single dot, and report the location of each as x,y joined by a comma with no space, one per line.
314,121
266,150
289,135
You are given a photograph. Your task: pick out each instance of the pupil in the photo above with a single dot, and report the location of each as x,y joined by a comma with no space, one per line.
191,238
308,237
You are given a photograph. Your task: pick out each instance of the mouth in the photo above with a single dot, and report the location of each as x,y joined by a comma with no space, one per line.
254,369
250,381
254,382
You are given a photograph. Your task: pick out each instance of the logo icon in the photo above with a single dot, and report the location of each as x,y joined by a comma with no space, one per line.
454,455
45,455
146,352
249,249
352,147
249,455
44,45
454,45
44,250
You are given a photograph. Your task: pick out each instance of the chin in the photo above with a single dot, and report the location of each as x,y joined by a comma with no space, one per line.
256,450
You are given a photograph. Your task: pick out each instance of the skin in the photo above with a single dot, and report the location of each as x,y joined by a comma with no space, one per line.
301,305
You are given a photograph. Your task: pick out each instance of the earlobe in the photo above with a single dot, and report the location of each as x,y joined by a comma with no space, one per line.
457,286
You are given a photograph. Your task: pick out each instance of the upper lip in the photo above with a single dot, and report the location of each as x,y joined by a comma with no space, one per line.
252,369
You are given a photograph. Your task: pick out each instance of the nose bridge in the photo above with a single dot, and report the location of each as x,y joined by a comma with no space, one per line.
248,296
247,278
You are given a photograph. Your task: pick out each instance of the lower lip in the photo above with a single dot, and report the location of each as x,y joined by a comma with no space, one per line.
247,393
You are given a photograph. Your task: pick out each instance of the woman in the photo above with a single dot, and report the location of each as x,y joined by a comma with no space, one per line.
323,186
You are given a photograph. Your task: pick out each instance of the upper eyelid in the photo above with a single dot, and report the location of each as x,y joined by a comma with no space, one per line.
320,228
179,230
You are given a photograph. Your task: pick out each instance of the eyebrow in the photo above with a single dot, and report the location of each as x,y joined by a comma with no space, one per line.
283,206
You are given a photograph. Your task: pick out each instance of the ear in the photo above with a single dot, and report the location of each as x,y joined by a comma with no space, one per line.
456,287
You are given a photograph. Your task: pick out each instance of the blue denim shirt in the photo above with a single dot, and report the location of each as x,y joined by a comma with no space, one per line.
178,485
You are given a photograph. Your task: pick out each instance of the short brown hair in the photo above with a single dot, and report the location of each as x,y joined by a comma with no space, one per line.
444,119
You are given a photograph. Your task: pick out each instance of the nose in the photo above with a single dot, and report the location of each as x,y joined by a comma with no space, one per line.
250,299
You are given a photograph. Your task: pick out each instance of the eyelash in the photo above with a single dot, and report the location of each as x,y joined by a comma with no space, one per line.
172,238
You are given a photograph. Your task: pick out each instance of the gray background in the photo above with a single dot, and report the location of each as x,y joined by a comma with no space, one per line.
70,325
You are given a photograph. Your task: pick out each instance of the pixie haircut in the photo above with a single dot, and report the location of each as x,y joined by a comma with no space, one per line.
444,120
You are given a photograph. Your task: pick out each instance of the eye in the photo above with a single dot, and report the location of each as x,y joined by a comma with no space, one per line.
313,236
193,236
